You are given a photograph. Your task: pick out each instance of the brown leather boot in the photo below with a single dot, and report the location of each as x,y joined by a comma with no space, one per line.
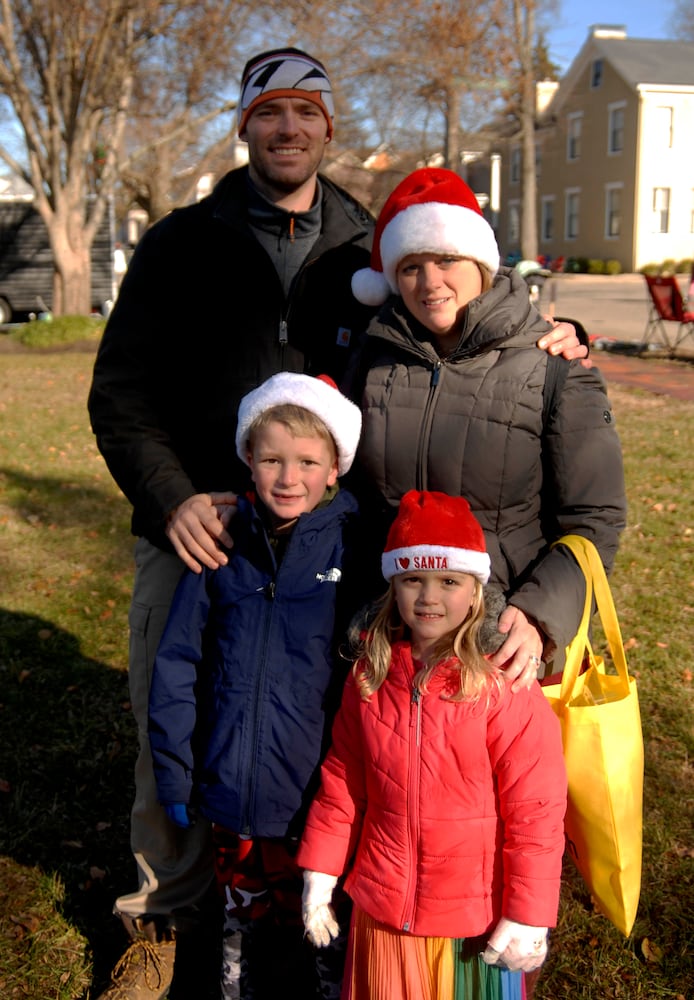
145,969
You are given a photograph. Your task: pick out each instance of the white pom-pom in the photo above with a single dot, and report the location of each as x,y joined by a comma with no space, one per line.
370,287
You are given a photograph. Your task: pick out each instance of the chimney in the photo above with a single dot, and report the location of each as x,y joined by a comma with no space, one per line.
608,31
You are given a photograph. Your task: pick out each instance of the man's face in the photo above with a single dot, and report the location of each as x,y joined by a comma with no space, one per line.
286,140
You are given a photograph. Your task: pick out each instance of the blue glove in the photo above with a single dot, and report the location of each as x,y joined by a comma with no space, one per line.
178,814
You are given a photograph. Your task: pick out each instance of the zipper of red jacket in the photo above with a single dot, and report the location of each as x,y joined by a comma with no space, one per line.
413,776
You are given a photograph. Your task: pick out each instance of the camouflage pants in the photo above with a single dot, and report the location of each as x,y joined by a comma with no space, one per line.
265,954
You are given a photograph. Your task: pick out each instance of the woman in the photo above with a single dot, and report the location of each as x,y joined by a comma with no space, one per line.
454,398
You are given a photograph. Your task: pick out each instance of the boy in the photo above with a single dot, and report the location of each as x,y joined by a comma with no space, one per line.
245,682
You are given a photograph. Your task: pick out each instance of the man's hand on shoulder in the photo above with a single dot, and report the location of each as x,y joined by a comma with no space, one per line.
196,529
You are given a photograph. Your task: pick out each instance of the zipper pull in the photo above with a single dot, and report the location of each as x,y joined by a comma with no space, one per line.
283,331
436,373
270,590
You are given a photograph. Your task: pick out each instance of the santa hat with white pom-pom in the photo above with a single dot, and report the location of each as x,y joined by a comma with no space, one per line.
430,211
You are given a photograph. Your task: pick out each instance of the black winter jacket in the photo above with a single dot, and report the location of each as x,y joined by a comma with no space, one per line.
200,320
472,424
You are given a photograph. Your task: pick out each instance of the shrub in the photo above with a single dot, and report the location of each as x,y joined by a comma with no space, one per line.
596,266
50,332
576,265
684,266
668,266
613,266
650,269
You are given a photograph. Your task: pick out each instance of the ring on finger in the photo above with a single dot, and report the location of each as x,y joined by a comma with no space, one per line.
535,660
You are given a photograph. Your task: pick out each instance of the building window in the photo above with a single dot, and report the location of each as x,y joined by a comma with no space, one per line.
547,218
615,133
596,74
613,211
573,136
513,224
573,204
661,210
515,165
663,127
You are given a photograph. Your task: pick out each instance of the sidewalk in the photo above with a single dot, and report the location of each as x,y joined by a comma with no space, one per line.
657,375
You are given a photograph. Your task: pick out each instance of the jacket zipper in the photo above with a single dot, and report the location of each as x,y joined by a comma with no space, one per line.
255,725
425,432
413,773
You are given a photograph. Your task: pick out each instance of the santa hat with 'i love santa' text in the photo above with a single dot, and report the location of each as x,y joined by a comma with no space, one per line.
434,531
430,211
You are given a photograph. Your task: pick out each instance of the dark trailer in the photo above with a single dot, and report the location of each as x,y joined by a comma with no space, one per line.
26,262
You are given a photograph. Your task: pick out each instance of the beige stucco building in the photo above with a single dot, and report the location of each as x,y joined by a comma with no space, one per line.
614,155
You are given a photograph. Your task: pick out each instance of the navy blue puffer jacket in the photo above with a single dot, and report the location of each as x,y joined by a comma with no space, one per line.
246,680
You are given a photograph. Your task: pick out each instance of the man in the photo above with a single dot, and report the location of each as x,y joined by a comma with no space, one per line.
218,296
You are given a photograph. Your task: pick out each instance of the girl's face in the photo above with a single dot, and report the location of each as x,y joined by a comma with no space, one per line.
432,604
436,288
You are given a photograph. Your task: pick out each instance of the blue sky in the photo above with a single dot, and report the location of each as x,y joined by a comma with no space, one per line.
568,29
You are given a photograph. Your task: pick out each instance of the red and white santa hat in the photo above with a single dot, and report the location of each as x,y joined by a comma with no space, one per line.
430,211
319,395
434,531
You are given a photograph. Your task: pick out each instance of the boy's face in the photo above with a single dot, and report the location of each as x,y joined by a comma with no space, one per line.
290,473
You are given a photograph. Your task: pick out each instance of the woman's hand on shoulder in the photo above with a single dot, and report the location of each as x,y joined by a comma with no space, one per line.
520,655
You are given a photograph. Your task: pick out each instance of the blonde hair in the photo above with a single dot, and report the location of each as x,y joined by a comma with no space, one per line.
299,421
459,648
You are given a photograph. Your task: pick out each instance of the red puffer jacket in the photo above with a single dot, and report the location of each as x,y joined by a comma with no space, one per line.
456,811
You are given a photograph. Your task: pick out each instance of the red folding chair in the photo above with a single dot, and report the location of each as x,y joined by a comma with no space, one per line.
666,306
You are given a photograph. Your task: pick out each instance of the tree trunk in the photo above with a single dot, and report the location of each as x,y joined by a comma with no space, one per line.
524,11
452,148
72,282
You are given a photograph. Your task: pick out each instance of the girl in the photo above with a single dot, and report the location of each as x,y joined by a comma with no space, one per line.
443,794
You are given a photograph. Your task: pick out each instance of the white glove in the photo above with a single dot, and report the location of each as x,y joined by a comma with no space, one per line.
317,913
516,946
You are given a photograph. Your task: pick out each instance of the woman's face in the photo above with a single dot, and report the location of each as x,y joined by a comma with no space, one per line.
436,288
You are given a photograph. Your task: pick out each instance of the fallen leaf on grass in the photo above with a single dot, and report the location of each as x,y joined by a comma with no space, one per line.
5,786
28,922
23,675
651,952
631,643
44,633
97,873
687,676
662,645
72,843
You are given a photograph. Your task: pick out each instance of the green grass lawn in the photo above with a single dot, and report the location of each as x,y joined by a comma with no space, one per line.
67,739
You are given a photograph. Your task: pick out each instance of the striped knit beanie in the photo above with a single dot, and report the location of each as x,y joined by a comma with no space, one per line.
284,73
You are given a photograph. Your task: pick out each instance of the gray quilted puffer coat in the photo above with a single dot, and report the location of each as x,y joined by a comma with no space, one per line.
472,424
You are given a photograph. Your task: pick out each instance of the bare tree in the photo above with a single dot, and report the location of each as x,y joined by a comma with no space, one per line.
682,20
524,21
73,74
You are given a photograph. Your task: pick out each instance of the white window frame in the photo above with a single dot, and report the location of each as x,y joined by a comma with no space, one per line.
664,125
662,203
612,109
574,130
569,195
610,190
547,212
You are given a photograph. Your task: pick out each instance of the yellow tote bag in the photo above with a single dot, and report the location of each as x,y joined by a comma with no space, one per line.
603,749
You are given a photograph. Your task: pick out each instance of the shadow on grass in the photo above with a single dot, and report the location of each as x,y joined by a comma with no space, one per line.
61,500
67,744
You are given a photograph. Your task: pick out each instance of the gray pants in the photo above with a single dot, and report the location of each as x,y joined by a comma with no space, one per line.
175,866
